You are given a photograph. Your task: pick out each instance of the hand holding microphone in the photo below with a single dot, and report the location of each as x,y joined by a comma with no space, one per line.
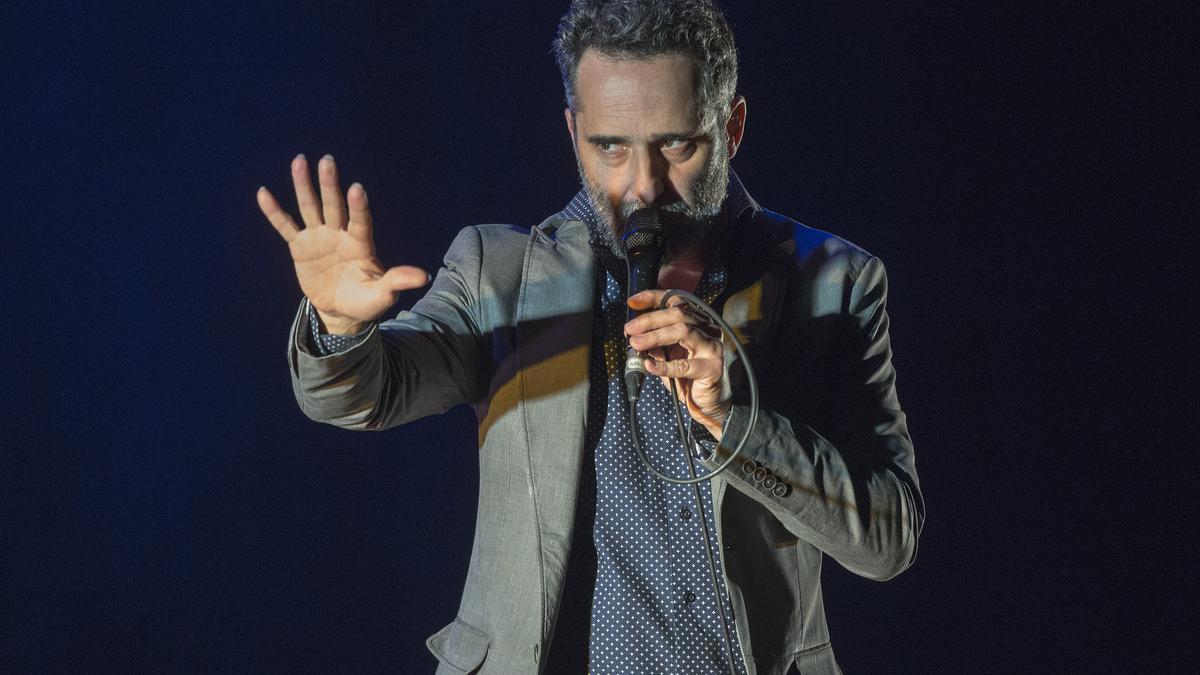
693,355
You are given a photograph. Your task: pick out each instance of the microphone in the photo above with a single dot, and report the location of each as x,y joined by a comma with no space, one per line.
644,242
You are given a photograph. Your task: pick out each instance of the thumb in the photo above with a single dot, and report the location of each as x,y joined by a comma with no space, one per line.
404,277
644,300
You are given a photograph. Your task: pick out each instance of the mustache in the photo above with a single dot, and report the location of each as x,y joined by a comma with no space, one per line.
685,232
676,214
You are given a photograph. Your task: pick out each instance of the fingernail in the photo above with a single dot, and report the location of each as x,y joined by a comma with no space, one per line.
300,156
327,158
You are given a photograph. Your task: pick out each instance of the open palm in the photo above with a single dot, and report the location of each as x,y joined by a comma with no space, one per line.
334,253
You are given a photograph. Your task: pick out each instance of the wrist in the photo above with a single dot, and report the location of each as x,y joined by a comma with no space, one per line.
715,423
339,325
707,438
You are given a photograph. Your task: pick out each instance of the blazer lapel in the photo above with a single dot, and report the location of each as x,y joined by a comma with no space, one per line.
554,334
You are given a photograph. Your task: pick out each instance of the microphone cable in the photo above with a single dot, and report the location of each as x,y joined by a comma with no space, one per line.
689,444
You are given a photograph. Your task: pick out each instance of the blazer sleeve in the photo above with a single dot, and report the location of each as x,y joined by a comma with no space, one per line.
424,361
858,501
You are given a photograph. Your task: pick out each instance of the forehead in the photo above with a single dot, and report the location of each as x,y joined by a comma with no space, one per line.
636,92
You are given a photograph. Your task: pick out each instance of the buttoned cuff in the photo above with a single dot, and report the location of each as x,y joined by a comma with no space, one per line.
746,467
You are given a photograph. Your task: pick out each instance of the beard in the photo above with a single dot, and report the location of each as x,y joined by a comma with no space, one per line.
690,226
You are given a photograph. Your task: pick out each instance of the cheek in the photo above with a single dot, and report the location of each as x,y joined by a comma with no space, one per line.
685,176
608,180
683,180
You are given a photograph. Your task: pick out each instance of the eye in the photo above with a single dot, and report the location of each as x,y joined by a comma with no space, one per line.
677,146
608,148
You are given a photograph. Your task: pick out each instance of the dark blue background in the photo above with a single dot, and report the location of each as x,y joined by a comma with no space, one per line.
167,507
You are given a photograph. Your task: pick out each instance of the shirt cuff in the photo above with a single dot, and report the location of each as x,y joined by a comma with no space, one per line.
704,443
327,344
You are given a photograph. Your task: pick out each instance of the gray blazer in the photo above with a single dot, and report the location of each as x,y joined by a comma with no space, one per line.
506,328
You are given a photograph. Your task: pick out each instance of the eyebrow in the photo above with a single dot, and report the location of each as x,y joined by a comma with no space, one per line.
597,139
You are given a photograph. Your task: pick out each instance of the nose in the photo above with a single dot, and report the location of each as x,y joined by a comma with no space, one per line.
647,184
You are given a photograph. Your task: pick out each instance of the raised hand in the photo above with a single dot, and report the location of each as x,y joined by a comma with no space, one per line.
334,252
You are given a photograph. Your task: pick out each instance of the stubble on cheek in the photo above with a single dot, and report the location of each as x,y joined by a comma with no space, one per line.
598,197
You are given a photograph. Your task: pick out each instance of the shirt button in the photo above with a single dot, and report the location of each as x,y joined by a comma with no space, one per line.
684,514
689,597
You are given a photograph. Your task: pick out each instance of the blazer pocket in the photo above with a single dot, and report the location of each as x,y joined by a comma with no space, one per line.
459,646
817,660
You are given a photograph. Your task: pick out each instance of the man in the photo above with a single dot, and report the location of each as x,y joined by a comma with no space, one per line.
582,557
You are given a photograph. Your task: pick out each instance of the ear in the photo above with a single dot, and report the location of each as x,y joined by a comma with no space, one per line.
570,126
735,126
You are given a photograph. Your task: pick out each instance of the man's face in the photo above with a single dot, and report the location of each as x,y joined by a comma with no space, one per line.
641,140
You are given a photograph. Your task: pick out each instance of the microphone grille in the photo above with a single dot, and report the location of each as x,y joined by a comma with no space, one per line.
643,229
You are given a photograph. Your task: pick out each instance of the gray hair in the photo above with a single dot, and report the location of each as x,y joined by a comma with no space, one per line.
641,29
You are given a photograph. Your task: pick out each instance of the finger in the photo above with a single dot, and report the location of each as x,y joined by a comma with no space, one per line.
404,277
360,215
697,317
280,220
659,318
695,341
659,337
334,208
306,199
676,306
686,369
698,342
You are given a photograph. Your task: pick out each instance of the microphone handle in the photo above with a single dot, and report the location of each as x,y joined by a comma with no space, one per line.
643,242
643,275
